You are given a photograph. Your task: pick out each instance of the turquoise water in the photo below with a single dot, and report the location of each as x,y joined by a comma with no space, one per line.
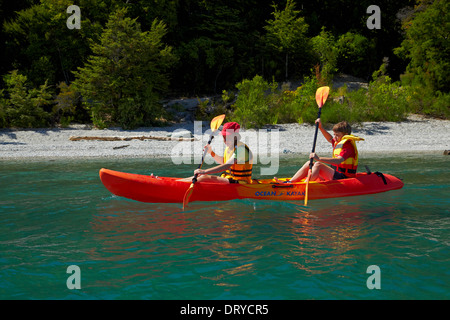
54,214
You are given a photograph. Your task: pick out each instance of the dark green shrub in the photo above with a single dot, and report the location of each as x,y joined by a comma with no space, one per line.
25,107
253,102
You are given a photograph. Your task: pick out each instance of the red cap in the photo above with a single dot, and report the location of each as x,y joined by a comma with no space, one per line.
230,128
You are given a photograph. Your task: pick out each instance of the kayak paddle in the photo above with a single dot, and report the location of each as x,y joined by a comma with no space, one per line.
215,124
321,97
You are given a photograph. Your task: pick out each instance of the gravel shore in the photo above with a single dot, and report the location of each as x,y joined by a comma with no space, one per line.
417,134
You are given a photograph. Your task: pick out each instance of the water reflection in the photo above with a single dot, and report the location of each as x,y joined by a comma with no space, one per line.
330,238
207,239
221,243
323,239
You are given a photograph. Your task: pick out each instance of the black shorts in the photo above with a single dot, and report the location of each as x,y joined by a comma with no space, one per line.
339,175
231,180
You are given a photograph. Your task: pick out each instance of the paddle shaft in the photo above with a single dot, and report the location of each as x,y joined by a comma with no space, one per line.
315,138
194,180
321,97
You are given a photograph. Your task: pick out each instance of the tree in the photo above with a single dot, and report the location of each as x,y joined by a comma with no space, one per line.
43,48
427,45
25,107
123,79
286,33
215,45
356,54
324,47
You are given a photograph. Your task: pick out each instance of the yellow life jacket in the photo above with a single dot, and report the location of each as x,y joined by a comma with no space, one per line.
349,165
239,171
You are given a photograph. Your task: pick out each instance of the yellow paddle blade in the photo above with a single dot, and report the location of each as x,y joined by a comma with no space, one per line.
322,95
216,122
187,195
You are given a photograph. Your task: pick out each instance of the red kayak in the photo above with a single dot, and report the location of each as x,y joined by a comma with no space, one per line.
164,189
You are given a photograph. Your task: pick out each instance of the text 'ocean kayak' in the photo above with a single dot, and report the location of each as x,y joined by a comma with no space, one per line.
164,189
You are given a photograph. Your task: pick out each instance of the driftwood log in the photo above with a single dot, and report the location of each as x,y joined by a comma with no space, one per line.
131,138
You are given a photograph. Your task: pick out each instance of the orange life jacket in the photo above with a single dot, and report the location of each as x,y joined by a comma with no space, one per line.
239,171
349,165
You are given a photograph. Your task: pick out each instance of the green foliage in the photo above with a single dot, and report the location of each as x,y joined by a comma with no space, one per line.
122,68
253,102
427,46
67,105
215,45
25,107
259,103
355,54
305,99
286,33
122,81
295,106
210,108
207,59
41,45
384,100
424,101
326,53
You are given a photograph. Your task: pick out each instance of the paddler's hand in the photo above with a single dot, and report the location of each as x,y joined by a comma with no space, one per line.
199,172
314,156
208,148
319,122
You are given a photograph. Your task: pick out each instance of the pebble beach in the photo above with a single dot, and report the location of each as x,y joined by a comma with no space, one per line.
417,134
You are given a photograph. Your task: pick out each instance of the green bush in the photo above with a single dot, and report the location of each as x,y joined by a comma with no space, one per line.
296,106
335,111
253,102
207,109
423,100
355,54
326,53
66,104
284,109
25,107
384,100
440,106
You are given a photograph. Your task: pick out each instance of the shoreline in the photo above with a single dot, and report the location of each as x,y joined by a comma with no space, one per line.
417,134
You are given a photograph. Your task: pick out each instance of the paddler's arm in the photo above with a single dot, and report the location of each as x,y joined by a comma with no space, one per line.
333,161
216,169
325,133
216,158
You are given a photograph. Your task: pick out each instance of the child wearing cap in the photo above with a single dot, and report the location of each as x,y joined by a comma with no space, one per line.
236,163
